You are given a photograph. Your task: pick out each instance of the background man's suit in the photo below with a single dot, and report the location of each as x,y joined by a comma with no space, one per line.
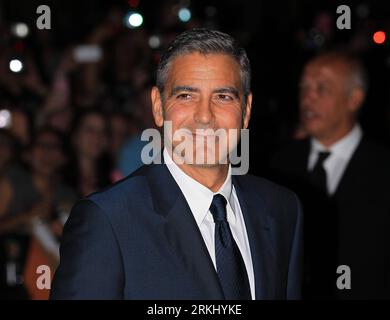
139,240
352,227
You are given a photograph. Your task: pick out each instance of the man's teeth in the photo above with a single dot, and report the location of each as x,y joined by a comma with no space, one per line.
204,134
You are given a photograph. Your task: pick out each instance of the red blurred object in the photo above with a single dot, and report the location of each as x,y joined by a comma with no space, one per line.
379,37
19,46
133,3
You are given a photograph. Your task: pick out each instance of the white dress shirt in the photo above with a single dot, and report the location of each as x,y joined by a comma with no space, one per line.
337,162
199,199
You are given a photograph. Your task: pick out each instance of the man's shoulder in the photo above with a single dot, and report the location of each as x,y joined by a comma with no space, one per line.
261,183
130,189
371,161
374,151
273,194
278,202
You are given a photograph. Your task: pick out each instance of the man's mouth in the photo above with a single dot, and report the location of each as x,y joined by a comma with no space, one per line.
203,134
308,115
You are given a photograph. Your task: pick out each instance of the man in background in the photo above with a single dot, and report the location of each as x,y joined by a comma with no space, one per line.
343,180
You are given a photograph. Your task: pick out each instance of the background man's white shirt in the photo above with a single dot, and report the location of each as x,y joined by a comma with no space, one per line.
337,162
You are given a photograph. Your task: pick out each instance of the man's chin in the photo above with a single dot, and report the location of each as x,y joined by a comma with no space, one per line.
314,124
312,130
205,165
201,160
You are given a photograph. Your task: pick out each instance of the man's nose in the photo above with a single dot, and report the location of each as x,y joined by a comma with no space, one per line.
204,113
308,97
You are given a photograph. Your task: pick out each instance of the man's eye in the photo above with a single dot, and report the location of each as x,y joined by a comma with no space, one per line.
322,88
184,96
225,97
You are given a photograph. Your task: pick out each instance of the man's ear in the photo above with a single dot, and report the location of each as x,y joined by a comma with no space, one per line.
157,106
247,111
356,99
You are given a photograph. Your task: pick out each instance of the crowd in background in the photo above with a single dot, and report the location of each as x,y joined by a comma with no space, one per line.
69,128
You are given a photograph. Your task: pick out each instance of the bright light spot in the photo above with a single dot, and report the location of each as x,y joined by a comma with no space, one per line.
379,37
184,14
134,20
20,30
15,65
154,42
5,118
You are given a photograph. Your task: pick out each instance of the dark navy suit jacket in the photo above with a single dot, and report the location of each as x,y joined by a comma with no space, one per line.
139,240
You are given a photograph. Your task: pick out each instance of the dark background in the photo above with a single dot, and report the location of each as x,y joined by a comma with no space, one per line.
279,36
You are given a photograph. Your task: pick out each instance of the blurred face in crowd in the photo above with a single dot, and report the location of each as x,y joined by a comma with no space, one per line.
61,119
143,109
5,150
90,138
118,132
202,92
328,104
47,156
20,126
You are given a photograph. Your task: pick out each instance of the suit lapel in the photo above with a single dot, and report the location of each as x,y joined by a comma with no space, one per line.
186,242
352,171
260,228
181,231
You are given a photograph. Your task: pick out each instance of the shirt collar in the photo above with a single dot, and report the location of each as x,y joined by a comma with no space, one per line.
342,148
198,196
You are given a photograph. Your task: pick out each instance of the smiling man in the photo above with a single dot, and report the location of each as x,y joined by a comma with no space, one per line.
204,99
188,228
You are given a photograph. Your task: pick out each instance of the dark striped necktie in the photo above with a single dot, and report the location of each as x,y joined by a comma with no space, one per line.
231,269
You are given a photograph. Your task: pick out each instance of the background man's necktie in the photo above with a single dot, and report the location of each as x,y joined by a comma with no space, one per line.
230,265
318,173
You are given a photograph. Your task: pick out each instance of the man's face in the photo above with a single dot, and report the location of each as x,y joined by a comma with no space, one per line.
203,92
325,103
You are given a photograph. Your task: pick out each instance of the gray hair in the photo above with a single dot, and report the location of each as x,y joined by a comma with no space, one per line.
357,76
204,41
